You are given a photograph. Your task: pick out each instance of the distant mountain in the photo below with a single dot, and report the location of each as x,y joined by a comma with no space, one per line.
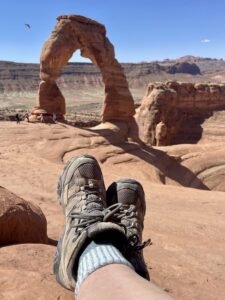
205,64
25,76
19,81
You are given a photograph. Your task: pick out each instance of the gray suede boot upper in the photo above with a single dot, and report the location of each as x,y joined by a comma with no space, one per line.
82,195
130,195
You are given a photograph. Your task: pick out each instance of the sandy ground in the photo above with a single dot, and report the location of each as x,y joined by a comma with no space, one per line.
185,197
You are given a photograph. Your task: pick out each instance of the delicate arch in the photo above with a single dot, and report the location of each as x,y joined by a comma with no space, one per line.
74,32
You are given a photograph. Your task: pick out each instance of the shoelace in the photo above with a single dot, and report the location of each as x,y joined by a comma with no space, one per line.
118,211
97,216
133,243
114,213
92,215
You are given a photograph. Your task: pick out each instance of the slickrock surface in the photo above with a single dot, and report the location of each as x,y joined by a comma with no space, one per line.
20,221
26,273
179,113
186,224
70,34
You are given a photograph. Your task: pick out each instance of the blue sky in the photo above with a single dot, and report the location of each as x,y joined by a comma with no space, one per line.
141,30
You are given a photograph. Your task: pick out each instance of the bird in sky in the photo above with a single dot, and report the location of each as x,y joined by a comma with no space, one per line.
27,26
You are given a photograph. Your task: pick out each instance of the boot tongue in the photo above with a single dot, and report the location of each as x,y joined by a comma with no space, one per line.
94,204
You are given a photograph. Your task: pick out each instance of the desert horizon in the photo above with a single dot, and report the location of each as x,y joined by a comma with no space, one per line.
82,85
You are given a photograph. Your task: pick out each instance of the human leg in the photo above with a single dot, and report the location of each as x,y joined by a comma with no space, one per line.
119,282
82,195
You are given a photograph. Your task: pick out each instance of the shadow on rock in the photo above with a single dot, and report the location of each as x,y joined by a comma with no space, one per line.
167,165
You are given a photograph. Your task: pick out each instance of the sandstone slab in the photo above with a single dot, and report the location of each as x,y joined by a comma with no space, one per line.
26,274
186,224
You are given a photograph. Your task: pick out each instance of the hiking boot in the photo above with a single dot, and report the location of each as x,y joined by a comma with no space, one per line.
82,195
130,195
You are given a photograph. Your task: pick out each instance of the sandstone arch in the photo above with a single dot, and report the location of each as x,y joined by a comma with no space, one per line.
71,33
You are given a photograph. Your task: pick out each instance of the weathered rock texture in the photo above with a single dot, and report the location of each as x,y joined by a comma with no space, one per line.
174,113
75,32
20,221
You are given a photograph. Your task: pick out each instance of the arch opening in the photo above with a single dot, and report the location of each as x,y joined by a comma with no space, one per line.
83,89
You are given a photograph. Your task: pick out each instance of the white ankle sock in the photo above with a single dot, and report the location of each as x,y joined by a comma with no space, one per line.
96,256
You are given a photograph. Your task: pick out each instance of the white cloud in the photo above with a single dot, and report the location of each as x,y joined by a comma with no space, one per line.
205,41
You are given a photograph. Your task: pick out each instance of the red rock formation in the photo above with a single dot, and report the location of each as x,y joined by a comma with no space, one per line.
20,221
75,32
182,108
